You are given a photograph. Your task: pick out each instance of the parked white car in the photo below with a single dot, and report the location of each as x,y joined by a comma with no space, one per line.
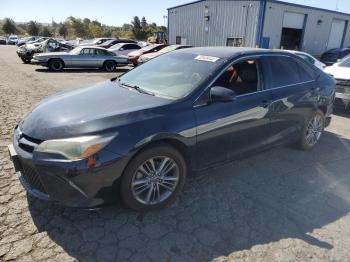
309,58
341,72
12,40
124,48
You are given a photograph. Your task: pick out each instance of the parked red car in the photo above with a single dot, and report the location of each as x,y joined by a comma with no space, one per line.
134,56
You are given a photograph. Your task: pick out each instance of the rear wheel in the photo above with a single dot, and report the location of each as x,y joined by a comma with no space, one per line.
109,66
56,65
312,130
153,178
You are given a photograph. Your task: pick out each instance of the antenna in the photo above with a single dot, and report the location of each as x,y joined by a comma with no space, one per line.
337,5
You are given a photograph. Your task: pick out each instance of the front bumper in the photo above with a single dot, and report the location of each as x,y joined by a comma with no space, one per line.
342,93
68,183
38,62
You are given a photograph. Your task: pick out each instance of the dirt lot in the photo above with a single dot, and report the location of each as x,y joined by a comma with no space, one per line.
282,205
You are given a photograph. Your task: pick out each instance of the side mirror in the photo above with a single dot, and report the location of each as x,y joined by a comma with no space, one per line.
222,94
121,49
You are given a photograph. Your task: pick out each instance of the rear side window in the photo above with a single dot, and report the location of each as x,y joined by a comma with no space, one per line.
283,71
306,72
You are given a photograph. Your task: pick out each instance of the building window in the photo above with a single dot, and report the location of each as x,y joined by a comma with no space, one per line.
178,40
234,41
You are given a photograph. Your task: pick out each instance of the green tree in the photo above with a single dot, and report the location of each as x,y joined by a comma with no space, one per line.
137,28
95,30
63,30
80,29
45,31
9,26
33,28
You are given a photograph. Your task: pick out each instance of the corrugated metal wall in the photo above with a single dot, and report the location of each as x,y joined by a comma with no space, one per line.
315,36
227,19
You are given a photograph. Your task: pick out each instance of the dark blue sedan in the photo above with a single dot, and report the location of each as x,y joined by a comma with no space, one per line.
139,135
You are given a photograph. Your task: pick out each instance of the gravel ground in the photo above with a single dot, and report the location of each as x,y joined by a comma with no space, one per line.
281,205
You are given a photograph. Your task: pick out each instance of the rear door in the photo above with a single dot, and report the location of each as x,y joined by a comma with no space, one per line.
293,89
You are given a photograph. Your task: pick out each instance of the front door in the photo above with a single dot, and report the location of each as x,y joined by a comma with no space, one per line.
228,129
86,58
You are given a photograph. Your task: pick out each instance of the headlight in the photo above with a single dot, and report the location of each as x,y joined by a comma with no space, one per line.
75,148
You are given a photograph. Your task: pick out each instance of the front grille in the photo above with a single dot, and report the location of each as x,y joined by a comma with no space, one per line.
32,178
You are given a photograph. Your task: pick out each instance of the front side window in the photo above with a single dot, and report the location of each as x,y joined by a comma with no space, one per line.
130,46
242,78
87,51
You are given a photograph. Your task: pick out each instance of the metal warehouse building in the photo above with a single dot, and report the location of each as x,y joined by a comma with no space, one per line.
262,23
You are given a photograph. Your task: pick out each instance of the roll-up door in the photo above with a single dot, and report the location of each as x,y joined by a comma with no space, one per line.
336,34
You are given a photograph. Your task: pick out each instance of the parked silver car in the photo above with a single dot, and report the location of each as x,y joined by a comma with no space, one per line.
81,57
124,48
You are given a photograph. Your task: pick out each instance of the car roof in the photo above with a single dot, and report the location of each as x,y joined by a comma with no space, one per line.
93,46
335,50
227,52
297,52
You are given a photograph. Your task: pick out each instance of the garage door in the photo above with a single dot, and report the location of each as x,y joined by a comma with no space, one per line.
336,35
293,20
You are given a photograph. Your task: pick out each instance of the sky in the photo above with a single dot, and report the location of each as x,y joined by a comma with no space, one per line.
114,12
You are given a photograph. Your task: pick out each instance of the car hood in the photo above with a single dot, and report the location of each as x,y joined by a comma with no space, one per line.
151,55
338,72
101,107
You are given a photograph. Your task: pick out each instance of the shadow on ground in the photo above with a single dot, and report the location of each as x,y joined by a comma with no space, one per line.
82,70
282,193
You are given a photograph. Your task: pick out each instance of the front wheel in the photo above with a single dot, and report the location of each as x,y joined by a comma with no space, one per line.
56,65
153,178
312,130
26,60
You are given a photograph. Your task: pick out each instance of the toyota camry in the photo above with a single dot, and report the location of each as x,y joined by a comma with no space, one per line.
139,135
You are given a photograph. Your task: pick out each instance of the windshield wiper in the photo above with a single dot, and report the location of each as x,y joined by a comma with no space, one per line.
137,88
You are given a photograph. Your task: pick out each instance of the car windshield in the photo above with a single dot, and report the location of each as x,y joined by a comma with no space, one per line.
75,51
345,62
183,73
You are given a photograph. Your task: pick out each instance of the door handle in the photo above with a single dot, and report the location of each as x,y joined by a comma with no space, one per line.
266,103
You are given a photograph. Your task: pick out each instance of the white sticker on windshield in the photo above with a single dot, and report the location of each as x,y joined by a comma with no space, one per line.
212,59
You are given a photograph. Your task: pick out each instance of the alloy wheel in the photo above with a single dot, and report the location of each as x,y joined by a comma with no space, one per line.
314,130
155,180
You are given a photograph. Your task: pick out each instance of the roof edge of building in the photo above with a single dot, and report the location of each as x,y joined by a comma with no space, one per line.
277,2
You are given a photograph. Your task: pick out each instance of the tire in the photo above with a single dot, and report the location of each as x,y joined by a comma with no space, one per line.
56,65
109,66
25,60
156,189
312,130
135,64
